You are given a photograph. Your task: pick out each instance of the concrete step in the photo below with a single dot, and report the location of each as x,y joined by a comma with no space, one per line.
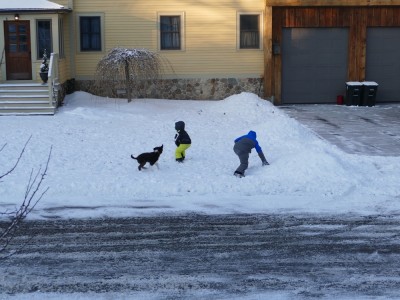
17,86
41,103
26,110
25,98
24,91
17,98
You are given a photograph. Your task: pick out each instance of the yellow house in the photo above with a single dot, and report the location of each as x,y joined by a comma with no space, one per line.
290,51
28,29
200,39
214,48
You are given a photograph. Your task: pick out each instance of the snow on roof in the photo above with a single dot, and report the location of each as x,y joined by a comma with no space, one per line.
29,5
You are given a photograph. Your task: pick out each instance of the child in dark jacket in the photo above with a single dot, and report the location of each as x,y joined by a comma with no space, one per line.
242,148
182,141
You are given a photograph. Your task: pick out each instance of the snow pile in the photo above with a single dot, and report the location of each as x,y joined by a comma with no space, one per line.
91,173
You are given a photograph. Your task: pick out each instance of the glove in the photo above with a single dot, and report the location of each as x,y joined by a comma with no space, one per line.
176,142
263,159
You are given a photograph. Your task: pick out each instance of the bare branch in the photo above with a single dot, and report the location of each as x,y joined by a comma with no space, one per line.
19,158
33,189
31,199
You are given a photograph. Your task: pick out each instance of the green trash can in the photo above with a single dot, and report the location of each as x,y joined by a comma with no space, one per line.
370,89
353,92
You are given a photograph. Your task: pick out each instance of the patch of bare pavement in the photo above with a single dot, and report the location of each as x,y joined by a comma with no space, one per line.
354,129
208,256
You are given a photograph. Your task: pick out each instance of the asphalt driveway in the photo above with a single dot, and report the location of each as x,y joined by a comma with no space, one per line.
355,129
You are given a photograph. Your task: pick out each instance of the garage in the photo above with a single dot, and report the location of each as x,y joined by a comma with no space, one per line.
383,62
314,64
316,47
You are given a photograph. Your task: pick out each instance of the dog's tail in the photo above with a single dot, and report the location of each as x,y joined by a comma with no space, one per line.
133,157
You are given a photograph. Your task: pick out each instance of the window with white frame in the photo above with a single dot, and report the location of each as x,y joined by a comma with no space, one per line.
171,31
249,31
90,33
44,42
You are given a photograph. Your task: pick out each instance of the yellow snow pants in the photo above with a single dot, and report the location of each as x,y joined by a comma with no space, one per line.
180,151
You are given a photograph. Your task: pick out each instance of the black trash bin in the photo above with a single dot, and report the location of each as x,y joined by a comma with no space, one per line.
353,92
370,89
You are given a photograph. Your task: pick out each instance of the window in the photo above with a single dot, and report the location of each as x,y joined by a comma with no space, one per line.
90,33
43,38
249,31
170,32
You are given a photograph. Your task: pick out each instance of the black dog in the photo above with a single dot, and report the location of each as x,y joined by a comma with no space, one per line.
149,157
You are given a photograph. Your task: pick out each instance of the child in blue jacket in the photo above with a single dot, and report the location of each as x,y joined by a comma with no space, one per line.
242,148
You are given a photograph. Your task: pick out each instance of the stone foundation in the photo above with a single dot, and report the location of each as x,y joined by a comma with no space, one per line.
183,89
67,87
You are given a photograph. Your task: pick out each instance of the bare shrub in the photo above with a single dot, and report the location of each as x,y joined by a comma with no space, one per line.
33,194
131,70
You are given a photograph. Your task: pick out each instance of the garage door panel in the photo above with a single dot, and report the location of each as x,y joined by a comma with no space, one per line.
383,62
300,74
314,64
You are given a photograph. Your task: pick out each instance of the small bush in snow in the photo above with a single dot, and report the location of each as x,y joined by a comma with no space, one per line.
131,70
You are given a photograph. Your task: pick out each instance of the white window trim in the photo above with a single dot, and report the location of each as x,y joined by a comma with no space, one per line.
78,32
183,39
61,37
261,28
40,55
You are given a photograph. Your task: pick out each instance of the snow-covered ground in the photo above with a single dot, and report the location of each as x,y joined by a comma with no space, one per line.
92,175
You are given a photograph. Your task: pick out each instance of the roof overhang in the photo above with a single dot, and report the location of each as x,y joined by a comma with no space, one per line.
47,11
32,6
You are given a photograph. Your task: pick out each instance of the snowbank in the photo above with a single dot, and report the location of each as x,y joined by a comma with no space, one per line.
92,175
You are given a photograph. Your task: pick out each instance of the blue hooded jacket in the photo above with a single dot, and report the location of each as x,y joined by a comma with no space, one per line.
248,141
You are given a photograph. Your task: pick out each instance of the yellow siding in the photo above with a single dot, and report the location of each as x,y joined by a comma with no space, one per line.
65,62
209,39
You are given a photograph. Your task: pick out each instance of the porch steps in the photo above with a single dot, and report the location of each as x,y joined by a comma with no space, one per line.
25,99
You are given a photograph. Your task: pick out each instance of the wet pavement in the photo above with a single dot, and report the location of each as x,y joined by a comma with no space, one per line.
208,257
355,129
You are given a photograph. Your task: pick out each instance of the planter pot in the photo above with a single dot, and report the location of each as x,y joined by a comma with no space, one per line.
44,76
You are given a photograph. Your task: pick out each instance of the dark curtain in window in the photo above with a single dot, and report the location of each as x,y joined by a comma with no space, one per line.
90,34
249,32
44,38
170,32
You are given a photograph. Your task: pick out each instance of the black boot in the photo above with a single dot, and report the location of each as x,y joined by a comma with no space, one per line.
238,174
180,160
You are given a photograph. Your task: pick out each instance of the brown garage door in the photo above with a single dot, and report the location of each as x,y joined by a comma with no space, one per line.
314,64
383,62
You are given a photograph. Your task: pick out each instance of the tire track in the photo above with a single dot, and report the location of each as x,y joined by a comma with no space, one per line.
179,257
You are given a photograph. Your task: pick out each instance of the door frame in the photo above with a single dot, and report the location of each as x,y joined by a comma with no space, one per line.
25,68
